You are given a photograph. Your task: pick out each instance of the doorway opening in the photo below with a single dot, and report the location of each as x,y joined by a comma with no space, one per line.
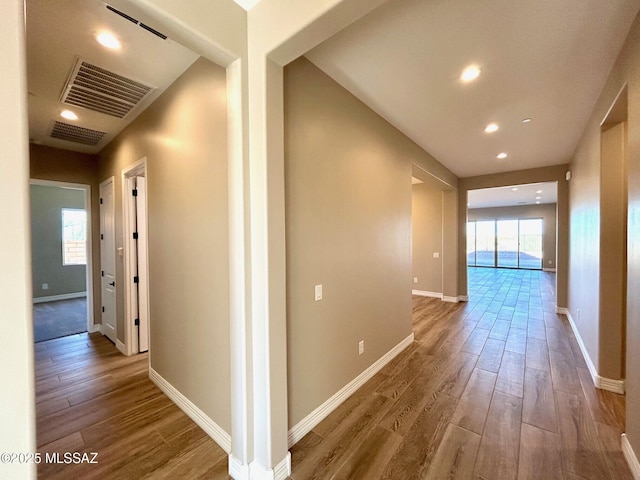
61,259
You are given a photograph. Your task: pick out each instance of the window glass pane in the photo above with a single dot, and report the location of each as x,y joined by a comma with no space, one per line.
74,237
507,243
485,243
531,243
471,243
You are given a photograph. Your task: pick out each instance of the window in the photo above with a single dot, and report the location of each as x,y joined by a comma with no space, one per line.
74,237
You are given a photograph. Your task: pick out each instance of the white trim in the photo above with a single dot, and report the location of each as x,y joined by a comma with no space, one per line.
256,471
630,456
548,269
237,469
463,298
446,298
120,346
89,265
603,383
95,328
62,296
424,293
217,433
305,425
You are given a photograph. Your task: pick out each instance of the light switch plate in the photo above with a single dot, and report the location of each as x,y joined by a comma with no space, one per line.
318,292
436,254
361,347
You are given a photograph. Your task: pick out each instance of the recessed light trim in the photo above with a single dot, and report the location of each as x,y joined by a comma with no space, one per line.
492,127
537,202
538,198
108,40
514,189
502,155
538,192
470,73
527,120
69,115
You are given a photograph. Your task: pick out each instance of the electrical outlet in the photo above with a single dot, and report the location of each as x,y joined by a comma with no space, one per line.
415,279
361,347
318,292
45,286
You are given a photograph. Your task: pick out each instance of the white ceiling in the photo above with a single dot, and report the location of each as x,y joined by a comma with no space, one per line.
60,31
544,59
513,195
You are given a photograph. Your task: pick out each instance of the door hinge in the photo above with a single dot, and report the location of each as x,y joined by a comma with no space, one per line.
134,192
100,201
102,273
102,309
135,235
101,237
136,322
135,279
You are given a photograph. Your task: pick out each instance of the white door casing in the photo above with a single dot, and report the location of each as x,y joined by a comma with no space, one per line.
143,286
108,259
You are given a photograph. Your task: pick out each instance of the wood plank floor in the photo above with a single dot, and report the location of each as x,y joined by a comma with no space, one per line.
492,389
91,398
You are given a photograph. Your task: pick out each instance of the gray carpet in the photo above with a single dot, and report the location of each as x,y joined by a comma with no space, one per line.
59,319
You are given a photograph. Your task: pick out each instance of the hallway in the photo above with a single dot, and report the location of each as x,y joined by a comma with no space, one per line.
495,388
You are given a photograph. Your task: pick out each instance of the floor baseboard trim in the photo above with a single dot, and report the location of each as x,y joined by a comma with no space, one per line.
305,425
463,298
603,383
96,328
212,429
425,293
631,457
548,269
445,298
256,471
120,346
237,469
64,296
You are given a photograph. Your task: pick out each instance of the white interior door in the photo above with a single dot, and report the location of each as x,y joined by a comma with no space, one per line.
108,259
143,295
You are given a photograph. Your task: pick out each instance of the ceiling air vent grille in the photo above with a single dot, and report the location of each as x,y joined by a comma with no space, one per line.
103,91
73,133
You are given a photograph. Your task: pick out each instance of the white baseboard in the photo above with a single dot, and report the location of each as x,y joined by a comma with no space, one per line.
548,269
424,293
450,299
64,296
212,429
463,298
305,425
97,327
603,383
255,471
120,346
630,457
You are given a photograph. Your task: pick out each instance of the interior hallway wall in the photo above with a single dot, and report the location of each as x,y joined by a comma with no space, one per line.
426,228
348,226
183,135
586,213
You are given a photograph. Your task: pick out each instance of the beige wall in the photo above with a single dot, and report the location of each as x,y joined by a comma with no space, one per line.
426,226
548,214
520,177
586,213
348,225
47,163
183,136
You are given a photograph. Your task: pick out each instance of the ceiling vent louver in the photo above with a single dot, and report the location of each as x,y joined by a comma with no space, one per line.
73,133
103,91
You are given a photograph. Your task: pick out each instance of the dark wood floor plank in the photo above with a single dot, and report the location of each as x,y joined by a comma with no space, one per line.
539,404
582,450
475,342
564,374
499,448
604,407
537,354
540,454
471,412
456,456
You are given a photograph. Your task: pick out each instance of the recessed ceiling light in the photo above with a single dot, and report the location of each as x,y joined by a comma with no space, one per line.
470,73
538,201
538,191
526,120
514,189
501,155
109,40
69,115
492,127
537,198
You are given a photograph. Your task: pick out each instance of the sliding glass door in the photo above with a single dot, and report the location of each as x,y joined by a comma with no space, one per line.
505,243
